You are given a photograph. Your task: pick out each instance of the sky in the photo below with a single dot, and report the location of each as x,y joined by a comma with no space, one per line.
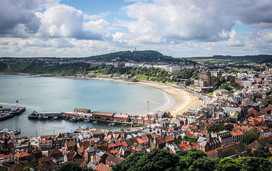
178,28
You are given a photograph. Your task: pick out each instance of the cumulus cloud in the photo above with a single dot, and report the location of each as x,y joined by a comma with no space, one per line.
47,19
65,21
160,21
177,20
173,27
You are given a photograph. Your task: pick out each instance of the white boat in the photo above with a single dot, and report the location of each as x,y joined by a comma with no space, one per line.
112,124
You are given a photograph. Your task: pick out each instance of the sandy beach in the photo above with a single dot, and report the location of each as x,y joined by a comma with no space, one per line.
183,100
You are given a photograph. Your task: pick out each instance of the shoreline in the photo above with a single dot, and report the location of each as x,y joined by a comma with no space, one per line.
179,100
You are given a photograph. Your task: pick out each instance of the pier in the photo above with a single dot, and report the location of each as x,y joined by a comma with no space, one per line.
85,115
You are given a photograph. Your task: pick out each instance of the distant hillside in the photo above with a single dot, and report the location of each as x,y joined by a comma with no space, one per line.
137,56
235,59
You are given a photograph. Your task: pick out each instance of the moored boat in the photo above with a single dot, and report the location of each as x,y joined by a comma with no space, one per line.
112,124
16,110
87,120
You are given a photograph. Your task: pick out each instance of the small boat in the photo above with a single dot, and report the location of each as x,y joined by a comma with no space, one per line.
55,117
95,122
17,132
16,110
112,124
87,120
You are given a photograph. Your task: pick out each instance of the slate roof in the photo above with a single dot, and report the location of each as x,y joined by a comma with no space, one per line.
230,150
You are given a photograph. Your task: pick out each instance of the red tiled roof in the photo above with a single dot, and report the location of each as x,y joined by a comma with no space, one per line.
70,143
102,167
153,135
47,166
184,147
55,152
22,154
265,110
238,132
140,141
83,146
185,126
233,133
71,155
44,159
144,140
160,140
195,145
4,156
253,111
112,145
169,138
118,143
124,144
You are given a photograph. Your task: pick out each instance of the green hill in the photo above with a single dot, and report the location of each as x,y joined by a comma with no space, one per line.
137,56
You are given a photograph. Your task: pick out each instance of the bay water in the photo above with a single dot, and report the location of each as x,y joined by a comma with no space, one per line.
56,94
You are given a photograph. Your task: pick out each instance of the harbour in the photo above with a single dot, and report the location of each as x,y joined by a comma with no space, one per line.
107,96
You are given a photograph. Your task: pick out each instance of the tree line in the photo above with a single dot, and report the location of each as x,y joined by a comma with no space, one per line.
71,69
191,160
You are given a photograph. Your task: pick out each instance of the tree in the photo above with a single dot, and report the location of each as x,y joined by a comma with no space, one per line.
229,164
216,128
259,153
251,135
157,159
229,127
202,164
26,169
130,162
255,164
195,154
70,166
188,157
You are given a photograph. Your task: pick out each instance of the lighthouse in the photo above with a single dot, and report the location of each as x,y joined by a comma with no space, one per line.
16,104
15,107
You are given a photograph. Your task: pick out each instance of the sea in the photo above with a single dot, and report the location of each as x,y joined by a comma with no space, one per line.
58,94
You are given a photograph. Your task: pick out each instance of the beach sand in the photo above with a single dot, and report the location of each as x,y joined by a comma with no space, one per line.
183,100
